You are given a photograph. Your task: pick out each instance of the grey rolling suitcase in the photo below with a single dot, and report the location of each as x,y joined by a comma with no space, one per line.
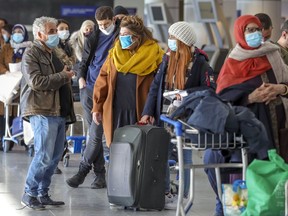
137,167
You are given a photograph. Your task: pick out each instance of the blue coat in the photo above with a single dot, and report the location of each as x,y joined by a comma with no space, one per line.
201,75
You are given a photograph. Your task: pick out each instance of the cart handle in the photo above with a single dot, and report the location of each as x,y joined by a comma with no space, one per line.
176,124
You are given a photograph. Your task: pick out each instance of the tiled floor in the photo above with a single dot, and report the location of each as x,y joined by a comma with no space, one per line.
79,201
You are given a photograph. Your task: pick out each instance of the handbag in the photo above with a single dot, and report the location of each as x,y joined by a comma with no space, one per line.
234,198
266,186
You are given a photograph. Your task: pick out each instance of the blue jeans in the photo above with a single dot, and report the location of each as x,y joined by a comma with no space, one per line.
187,157
49,136
93,153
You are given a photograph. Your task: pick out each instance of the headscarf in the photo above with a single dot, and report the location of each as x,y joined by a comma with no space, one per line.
145,61
234,71
81,36
19,48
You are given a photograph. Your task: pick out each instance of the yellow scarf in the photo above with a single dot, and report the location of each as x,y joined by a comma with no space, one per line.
143,62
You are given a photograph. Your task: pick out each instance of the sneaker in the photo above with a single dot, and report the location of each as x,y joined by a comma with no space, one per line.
99,182
171,201
115,206
46,200
57,170
31,202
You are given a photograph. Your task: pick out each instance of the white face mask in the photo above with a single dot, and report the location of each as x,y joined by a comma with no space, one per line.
63,34
108,30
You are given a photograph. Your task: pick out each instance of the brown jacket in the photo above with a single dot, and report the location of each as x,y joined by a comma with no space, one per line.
104,93
6,55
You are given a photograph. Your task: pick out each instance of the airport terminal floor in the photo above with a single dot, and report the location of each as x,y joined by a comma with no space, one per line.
81,201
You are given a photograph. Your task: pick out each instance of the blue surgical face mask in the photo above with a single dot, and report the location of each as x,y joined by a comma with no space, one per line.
53,41
5,37
17,37
172,44
126,41
63,34
254,39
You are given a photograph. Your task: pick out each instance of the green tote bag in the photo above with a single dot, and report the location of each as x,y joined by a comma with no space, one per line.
265,182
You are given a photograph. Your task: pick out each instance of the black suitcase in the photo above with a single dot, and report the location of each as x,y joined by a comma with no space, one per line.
137,167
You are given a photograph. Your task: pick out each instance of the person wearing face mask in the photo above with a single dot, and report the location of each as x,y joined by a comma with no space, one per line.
65,53
183,67
96,49
77,38
118,97
3,22
64,50
6,33
12,52
45,102
255,76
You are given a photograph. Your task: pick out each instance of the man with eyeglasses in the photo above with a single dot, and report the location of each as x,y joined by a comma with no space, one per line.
283,42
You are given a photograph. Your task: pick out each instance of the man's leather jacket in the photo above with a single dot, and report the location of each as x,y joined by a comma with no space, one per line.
40,83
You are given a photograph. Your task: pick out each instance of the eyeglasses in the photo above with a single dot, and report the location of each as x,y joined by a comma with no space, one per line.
252,29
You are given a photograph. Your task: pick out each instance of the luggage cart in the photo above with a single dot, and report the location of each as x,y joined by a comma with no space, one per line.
181,130
13,134
9,91
75,142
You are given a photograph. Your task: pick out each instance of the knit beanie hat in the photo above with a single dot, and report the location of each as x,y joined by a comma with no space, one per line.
120,10
184,32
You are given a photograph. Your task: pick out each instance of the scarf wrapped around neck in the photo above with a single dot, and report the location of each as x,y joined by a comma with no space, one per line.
242,65
232,73
18,49
143,62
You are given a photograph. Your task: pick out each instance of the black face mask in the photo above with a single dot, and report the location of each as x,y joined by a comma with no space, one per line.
87,34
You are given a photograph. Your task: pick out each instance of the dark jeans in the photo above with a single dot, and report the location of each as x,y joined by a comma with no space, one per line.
187,157
93,153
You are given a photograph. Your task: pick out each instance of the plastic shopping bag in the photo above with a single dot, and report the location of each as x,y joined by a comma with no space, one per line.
265,182
234,198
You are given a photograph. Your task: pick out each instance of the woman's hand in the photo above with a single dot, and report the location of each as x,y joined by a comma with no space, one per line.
266,93
82,83
97,117
146,119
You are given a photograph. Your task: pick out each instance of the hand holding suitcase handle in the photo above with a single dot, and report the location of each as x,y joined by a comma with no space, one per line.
146,119
97,117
